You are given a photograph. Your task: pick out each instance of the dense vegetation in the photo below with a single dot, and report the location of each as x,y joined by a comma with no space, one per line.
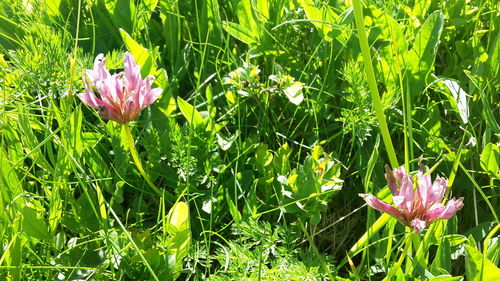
274,116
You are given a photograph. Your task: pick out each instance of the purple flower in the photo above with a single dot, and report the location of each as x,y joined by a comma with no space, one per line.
416,208
122,96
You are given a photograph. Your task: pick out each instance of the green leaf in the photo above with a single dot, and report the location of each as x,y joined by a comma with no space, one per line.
56,208
240,32
479,268
178,218
122,13
244,10
233,209
34,225
179,228
167,102
458,99
419,60
9,32
490,158
443,256
143,56
52,7
8,178
322,18
446,278
190,113
294,93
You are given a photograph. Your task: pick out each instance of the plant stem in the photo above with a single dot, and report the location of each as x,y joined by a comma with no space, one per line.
315,250
396,266
130,141
372,83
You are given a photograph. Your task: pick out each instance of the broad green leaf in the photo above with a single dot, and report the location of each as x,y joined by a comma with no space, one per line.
167,102
170,18
263,10
421,55
34,225
52,7
150,4
281,162
122,13
251,207
294,93
420,7
459,99
3,63
178,218
30,142
56,208
74,134
489,116
446,278
322,18
233,209
101,202
419,60
490,158
241,32
8,177
494,56
10,31
263,158
432,127
179,228
190,113
443,256
143,56
246,19
362,242
478,268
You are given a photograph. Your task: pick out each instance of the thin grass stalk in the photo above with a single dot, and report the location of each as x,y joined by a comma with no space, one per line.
315,250
138,164
398,264
372,83
131,240
73,57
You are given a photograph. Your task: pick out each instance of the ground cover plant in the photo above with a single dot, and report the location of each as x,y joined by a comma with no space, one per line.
249,140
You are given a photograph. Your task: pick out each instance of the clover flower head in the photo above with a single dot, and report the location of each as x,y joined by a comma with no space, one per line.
416,208
123,95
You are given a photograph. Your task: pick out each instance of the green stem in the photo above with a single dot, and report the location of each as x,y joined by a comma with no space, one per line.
315,250
372,83
133,152
396,266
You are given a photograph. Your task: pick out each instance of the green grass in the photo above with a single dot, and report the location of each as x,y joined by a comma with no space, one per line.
249,165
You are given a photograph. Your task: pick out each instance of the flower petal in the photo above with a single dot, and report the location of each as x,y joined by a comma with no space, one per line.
445,212
408,195
391,180
132,72
100,71
418,225
424,186
438,190
378,205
